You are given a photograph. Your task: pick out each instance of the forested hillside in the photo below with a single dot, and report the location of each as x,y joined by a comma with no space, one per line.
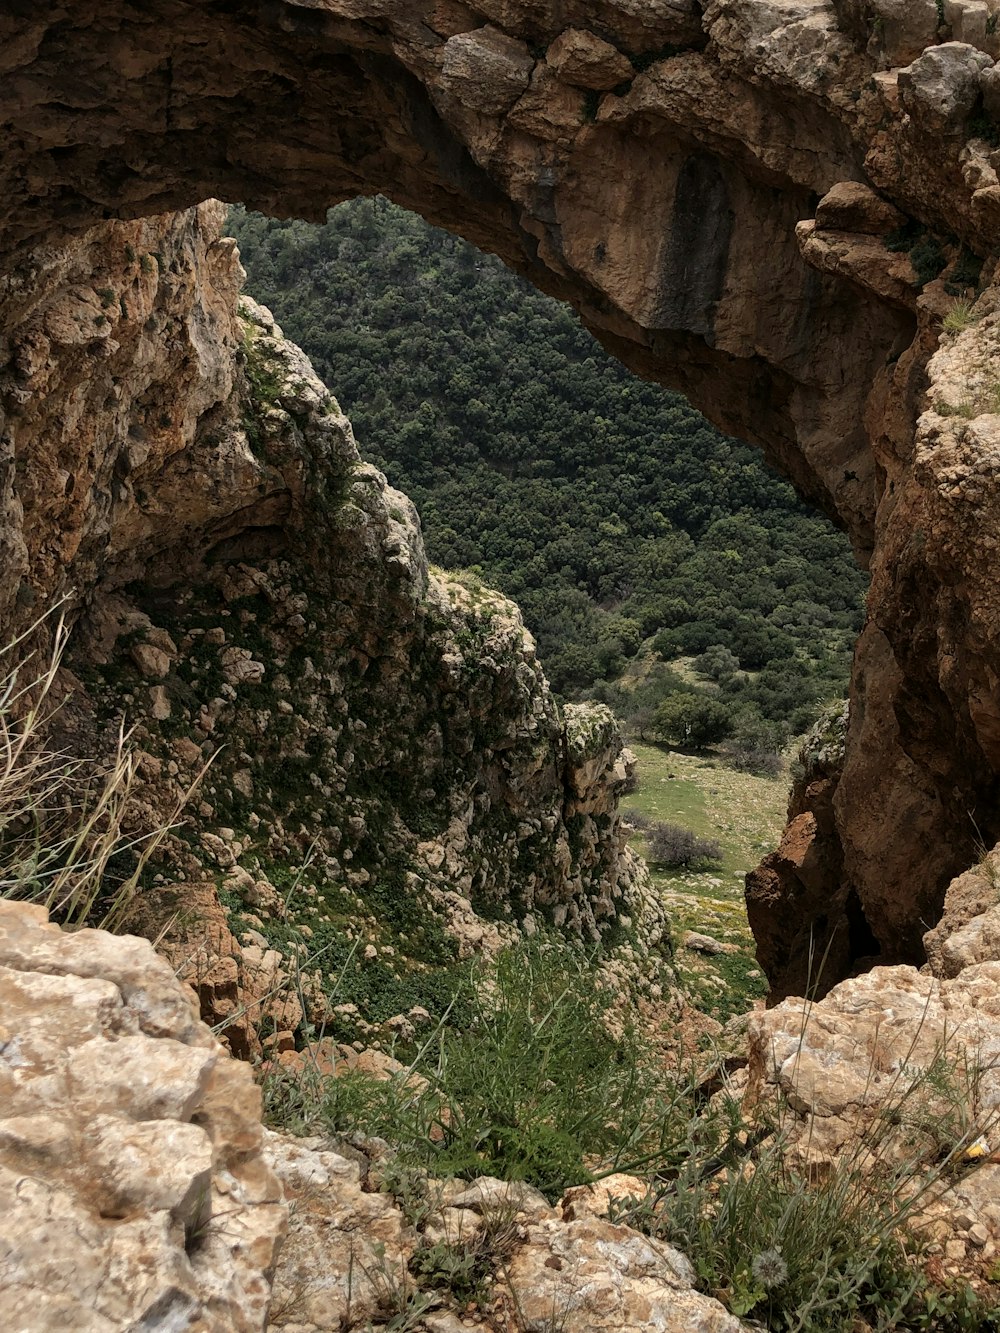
607,507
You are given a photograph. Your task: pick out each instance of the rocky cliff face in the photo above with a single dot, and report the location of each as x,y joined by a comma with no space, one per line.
389,772
770,207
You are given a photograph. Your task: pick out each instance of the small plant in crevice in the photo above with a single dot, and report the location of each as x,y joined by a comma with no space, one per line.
960,317
925,251
805,1250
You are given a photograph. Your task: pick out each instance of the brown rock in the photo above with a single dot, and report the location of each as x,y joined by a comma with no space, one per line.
486,70
855,207
586,61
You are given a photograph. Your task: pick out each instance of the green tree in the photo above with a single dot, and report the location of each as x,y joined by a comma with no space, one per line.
692,719
608,508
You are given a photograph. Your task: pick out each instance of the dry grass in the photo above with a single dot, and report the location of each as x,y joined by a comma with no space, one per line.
63,817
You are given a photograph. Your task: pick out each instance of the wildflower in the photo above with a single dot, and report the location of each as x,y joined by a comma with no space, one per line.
977,1150
769,1268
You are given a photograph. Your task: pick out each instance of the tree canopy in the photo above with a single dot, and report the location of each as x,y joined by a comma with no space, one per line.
616,516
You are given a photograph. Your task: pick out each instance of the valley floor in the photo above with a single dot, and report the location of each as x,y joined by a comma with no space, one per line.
745,814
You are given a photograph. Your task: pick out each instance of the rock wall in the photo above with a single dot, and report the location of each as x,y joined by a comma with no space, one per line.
770,207
387,765
135,1191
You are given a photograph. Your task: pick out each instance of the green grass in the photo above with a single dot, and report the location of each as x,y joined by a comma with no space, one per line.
546,1077
745,814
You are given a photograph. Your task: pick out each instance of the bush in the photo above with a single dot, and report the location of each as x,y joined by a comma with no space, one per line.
717,662
671,845
745,759
692,719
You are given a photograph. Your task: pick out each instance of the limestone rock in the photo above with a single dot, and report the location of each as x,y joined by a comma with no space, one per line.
132,1182
667,215
969,930
344,1246
940,88
855,207
587,61
906,27
699,943
598,1276
840,1063
348,1247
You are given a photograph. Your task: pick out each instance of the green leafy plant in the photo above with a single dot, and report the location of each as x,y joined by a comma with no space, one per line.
693,719
547,1077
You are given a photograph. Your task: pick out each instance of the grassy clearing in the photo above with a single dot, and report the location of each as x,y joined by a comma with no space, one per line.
745,814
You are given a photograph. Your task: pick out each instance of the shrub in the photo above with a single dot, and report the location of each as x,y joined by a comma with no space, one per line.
692,719
717,662
747,759
671,845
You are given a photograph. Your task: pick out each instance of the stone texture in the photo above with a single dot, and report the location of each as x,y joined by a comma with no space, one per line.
349,1249
969,930
855,207
940,88
597,1276
345,1246
133,1187
580,58
669,215
845,1061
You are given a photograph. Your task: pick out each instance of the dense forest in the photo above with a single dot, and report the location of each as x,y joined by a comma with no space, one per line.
630,531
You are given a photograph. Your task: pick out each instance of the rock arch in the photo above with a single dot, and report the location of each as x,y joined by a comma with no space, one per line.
711,186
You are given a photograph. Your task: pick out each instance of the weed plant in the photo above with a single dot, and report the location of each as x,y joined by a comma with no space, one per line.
547,1079
807,1251
64,819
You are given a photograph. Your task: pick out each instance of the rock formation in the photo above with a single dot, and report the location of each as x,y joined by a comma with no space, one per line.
353,1254
899,1065
135,1192
770,207
385,753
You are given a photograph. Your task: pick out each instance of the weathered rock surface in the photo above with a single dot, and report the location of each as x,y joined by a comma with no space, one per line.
135,1193
351,1257
896,1066
667,208
383,742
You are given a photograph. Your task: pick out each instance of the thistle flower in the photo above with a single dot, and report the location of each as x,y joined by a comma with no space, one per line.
769,1269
